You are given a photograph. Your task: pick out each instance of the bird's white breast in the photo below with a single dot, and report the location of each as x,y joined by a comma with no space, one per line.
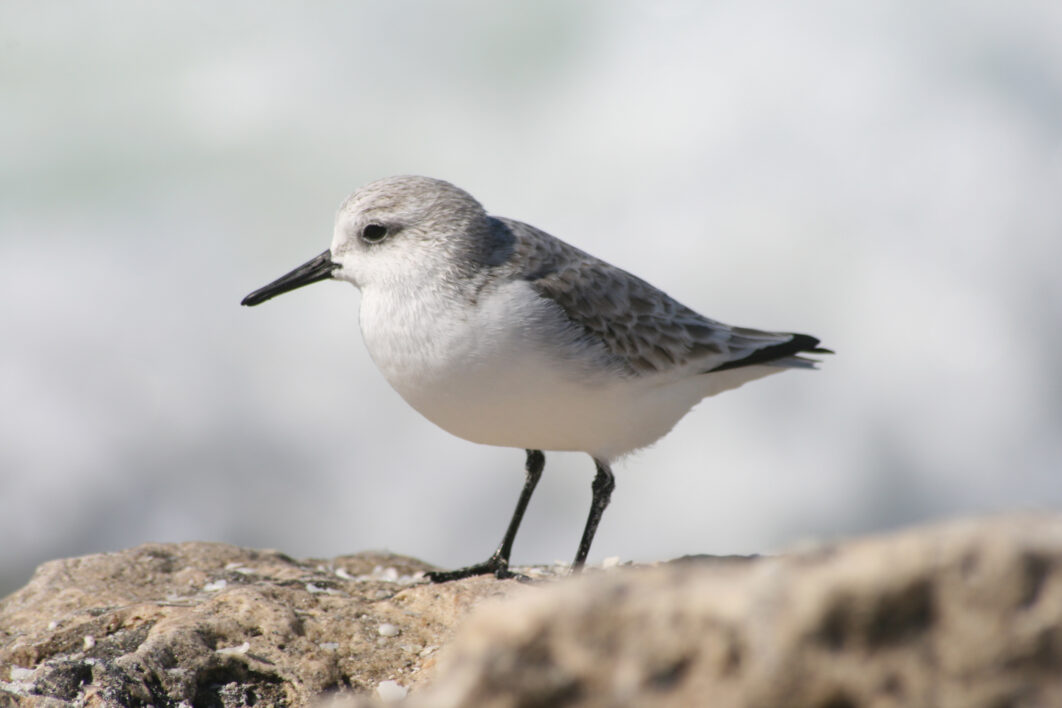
508,370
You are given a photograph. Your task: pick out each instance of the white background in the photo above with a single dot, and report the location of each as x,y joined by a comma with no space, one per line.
884,175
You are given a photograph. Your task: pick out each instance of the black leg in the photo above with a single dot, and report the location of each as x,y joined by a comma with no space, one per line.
498,564
602,488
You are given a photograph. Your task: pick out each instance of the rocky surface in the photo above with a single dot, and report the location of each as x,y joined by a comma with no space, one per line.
964,614
207,624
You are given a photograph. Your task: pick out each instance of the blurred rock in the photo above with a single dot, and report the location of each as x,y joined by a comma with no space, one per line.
962,614
966,613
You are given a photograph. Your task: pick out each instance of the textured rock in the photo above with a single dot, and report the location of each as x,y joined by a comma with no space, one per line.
967,614
215,625
962,614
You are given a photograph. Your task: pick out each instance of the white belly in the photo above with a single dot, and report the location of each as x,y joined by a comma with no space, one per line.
508,373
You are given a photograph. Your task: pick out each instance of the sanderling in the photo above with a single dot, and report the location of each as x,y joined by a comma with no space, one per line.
504,335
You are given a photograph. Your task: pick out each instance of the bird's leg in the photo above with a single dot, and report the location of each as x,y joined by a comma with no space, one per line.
498,564
602,488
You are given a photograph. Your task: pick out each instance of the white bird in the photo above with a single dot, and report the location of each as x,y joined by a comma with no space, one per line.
504,335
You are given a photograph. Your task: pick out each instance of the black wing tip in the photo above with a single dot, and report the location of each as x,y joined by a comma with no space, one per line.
805,344
809,345
797,344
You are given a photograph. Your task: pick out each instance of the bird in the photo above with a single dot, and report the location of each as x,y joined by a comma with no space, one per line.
504,335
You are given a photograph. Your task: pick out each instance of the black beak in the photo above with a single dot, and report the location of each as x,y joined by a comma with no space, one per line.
320,268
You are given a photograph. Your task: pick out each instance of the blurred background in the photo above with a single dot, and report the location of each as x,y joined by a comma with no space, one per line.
884,175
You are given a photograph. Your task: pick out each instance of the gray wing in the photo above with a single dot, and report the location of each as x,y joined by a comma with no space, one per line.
642,327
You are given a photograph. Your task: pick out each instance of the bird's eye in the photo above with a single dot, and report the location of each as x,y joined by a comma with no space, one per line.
374,233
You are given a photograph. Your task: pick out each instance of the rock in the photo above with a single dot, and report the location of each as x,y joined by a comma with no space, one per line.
209,624
964,614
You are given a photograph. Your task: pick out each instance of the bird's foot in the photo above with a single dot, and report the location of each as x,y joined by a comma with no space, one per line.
495,565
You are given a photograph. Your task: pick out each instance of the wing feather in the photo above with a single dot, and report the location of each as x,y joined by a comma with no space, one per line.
643,328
